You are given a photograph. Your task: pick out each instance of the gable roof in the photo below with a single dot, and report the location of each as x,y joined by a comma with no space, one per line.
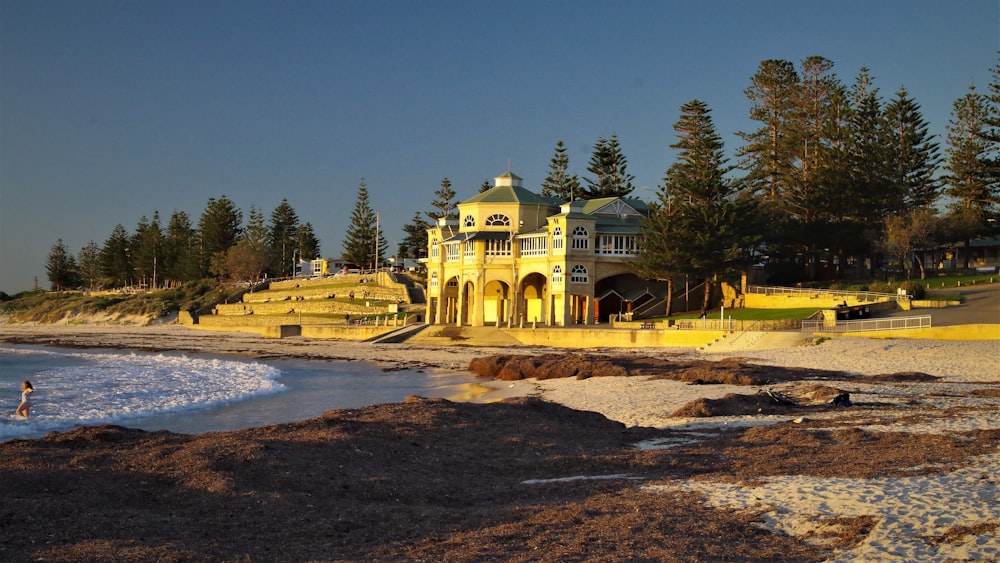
512,194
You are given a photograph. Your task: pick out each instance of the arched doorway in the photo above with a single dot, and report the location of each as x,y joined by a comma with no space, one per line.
449,301
533,289
496,303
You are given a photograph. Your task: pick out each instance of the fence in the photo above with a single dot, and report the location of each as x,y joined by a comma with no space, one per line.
861,296
735,325
900,323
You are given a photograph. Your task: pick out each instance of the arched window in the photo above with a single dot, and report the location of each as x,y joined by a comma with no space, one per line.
557,238
579,274
557,274
498,220
435,252
581,239
469,221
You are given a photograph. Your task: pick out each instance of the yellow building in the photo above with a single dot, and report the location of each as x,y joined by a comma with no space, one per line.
514,258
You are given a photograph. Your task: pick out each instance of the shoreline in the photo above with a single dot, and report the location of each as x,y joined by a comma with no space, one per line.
909,472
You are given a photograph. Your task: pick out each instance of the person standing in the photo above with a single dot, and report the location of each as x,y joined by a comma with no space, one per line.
25,406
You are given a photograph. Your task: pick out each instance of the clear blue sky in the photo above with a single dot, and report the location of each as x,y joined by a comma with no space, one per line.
111,110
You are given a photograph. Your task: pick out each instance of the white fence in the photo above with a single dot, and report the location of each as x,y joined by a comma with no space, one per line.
862,296
899,323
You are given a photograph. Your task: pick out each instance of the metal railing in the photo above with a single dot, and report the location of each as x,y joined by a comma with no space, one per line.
861,296
866,325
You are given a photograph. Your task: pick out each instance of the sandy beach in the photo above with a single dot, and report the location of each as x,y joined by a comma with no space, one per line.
907,473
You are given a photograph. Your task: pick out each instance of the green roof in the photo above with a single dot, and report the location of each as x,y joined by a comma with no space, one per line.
512,194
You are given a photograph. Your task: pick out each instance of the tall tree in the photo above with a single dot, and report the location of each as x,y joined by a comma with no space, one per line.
867,153
219,228
610,171
89,264
61,268
711,220
307,242
282,238
147,249
560,183
115,258
416,237
969,170
770,151
485,186
969,174
444,202
364,241
913,157
180,250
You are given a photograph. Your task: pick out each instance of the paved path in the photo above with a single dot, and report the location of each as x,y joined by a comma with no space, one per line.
982,306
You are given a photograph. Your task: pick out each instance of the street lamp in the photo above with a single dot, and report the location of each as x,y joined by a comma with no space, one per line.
294,254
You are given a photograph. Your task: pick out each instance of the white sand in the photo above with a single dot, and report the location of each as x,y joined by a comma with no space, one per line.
910,513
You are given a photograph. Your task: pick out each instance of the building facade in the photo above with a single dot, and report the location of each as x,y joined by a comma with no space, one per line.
515,258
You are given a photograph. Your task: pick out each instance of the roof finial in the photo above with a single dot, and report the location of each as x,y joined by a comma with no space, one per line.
508,165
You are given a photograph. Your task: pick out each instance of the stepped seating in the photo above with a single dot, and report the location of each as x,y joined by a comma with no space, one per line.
321,300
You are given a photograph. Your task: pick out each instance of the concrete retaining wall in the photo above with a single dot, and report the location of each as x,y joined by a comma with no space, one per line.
611,338
959,332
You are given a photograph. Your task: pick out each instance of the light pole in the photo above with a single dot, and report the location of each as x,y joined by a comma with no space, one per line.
294,254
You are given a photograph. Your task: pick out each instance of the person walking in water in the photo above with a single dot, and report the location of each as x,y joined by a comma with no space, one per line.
25,406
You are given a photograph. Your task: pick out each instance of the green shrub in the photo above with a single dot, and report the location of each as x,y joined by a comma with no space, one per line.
913,289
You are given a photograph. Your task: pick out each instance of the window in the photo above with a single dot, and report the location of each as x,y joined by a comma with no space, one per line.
534,246
434,248
557,274
434,279
557,239
451,252
579,274
581,239
618,245
498,220
498,247
470,249
469,221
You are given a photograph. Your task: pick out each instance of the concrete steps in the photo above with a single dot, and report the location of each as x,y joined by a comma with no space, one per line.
754,340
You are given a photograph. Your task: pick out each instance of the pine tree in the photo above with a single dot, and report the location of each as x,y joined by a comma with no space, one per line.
770,151
115,259
868,155
485,186
307,242
444,205
609,168
219,228
416,237
180,250
969,175
969,171
710,220
560,183
146,247
364,241
913,156
282,238
89,265
61,268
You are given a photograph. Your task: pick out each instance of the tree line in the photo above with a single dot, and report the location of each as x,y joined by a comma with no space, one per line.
833,172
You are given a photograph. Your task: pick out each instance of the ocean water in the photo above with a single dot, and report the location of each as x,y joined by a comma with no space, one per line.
190,393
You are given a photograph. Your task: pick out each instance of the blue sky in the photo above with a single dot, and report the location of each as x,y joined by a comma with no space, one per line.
111,110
